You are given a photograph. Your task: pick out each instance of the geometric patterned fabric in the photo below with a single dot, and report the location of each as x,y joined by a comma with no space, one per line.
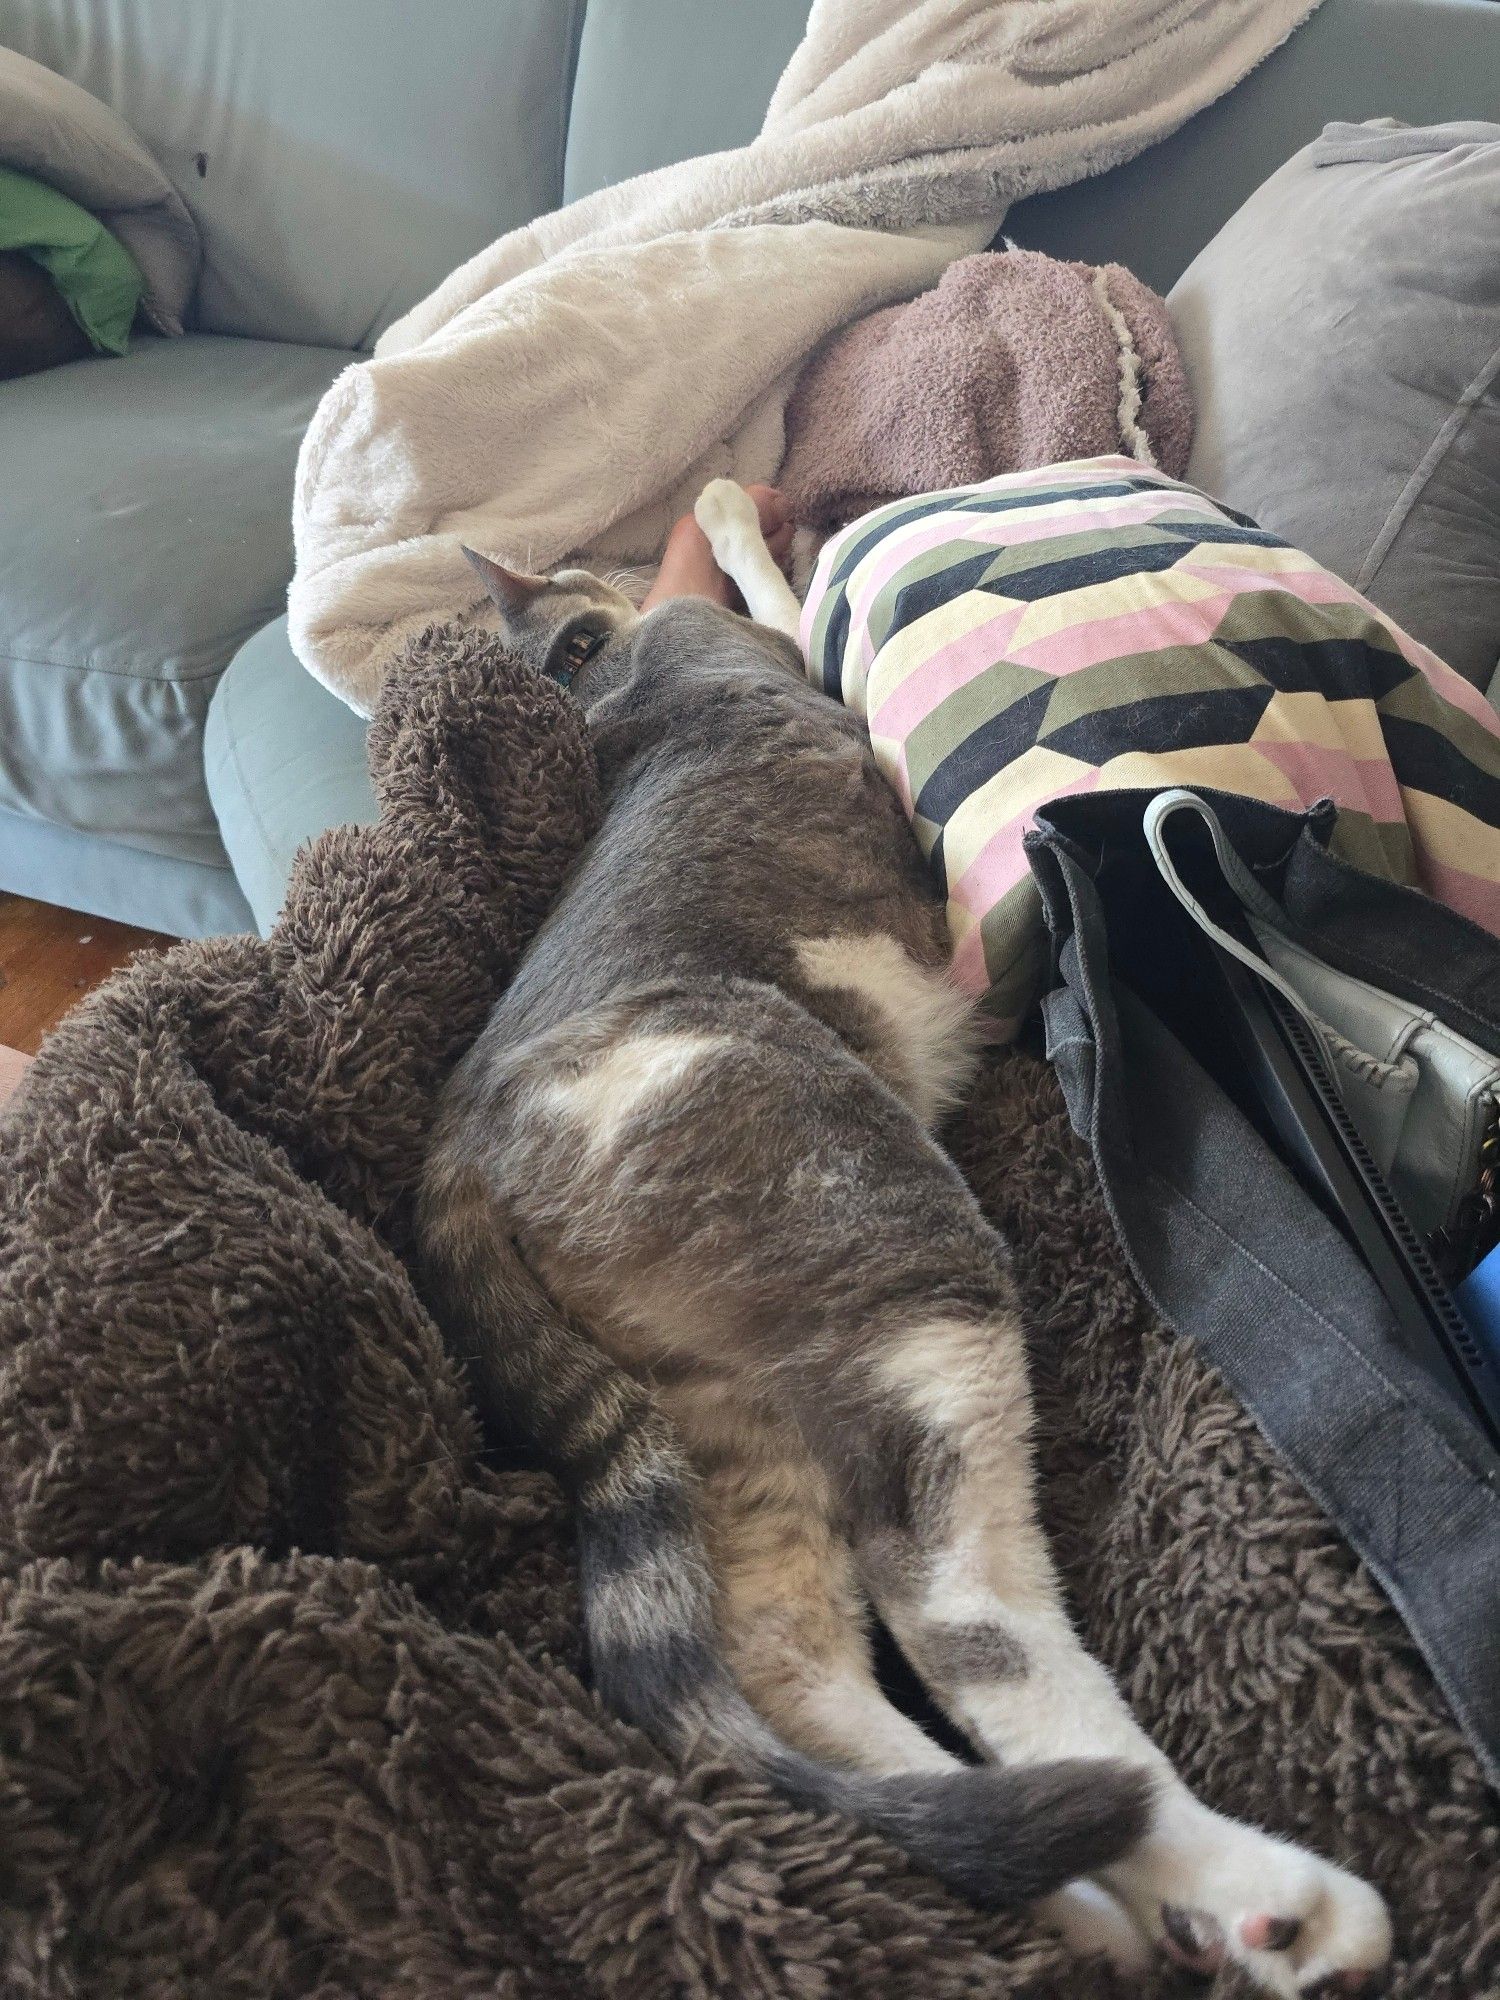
1098,626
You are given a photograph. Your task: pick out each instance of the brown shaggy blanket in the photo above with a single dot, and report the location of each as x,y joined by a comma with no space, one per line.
291,1700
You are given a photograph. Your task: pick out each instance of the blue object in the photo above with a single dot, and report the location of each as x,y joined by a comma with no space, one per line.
284,759
1479,1301
145,535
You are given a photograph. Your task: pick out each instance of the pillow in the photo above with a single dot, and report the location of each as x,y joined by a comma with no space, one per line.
55,132
99,280
1341,335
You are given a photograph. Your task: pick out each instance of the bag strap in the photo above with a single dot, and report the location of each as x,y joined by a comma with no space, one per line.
1401,1075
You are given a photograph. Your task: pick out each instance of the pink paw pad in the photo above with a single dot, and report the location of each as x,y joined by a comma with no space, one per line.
1267,1933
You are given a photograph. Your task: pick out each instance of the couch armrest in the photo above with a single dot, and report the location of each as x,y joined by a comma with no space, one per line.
283,759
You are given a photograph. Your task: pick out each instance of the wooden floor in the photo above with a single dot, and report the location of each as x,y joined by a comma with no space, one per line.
49,958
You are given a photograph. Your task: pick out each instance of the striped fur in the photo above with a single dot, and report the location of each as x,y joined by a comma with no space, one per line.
684,1217
1000,1837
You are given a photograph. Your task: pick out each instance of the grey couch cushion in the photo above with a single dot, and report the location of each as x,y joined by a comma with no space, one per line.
144,535
1421,60
341,156
86,871
284,759
662,80
1342,336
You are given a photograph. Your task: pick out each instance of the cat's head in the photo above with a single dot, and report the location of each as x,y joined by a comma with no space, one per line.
566,626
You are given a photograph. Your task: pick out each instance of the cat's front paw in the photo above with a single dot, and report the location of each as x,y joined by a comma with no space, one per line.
1212,1891
726,514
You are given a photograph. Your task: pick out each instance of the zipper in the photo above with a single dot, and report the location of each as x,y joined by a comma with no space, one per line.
1475,1229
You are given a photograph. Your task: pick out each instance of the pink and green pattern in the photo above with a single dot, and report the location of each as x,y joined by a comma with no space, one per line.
1100,626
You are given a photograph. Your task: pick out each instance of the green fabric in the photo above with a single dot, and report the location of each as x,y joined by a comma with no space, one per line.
341,157
98,278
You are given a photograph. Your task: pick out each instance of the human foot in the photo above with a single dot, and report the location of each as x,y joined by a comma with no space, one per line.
688,568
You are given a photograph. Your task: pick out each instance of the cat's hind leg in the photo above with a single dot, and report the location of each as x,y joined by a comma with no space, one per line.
726,514
793,1618
794,1621
967,1586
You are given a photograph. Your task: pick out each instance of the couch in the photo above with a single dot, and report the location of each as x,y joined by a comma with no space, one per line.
162,754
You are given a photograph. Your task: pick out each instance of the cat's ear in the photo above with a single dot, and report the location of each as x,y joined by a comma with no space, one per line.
512,589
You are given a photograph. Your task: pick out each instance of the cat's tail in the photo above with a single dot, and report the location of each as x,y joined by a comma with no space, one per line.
1003,1836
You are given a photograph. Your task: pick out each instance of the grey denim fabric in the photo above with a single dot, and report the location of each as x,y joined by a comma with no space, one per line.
1226,1245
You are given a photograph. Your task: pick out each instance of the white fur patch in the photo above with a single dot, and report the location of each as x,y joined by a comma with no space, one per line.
727,515
930,1021
1090,1920
936,1369
625,1078
1235,1875
847,1717
955,1372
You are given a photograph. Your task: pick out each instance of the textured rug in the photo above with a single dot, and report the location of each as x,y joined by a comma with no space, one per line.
291,1696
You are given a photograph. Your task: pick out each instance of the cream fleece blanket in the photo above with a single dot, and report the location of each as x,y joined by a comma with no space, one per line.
569,390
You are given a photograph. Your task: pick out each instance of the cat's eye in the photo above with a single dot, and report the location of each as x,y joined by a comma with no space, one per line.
574,652
577,651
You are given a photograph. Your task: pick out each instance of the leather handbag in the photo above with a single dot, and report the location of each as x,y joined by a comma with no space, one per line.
1425,1099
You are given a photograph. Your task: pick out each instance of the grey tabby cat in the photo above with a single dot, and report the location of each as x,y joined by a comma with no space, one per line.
684,1216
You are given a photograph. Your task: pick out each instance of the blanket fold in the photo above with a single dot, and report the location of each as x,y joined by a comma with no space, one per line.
569,390
291,1689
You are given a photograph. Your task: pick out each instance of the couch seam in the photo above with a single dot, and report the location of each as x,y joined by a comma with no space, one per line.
1448,433
111,836
121,674
231,752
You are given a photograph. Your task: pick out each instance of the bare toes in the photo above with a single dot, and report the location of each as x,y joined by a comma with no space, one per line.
688,568
771,507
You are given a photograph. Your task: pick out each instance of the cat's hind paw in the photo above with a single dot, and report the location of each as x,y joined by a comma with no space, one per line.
1091,1922
1297,1926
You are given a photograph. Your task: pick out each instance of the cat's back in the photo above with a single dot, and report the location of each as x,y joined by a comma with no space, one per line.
747,834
